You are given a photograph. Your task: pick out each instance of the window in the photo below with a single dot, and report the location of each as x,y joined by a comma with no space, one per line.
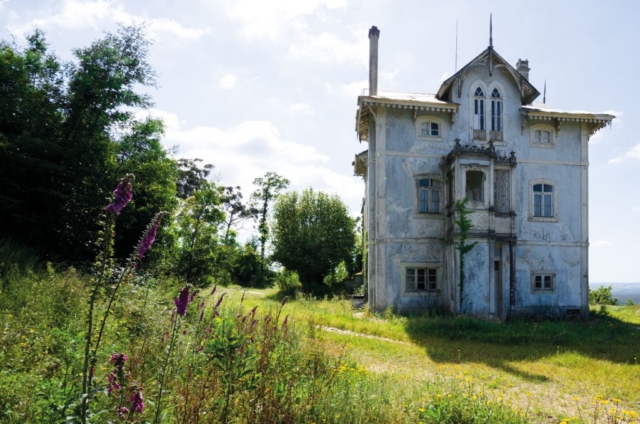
428,127
543,281
478,110
475,186
496,111
542,135
543,200
501,190
428,195
421,279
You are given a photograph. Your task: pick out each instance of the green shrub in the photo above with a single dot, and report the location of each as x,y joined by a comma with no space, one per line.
602,296
288,281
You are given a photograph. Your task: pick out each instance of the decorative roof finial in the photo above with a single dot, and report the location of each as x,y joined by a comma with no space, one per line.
490,30
544,96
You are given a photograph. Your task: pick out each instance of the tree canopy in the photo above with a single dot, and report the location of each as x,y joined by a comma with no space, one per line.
312,234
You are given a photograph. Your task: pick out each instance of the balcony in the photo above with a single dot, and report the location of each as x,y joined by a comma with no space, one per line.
479,134
495,136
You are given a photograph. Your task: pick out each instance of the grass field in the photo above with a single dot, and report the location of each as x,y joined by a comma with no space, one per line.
554,370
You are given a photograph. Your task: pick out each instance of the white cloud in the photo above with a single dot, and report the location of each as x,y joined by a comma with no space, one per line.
601,243
82,14
633,153
355,88
636,209
251,149
328,48
302,108
269,19
227,81
171,121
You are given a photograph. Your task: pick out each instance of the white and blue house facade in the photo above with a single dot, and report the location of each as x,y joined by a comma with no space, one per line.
523,168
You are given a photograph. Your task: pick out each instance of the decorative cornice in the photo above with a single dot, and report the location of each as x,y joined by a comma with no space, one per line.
391,104
598,121
478,150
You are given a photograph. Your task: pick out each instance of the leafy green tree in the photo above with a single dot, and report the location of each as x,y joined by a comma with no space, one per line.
269,188
140,153
60,126
199,245
191,176
602,296
312,234
236,210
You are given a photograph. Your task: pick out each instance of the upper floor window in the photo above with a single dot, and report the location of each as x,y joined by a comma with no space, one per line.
475,186
428,127
542,135
429,195
543,281
478,109
496,110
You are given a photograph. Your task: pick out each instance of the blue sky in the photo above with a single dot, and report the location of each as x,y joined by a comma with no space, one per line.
255,86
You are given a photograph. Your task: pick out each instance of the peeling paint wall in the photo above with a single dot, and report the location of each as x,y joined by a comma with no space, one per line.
399,237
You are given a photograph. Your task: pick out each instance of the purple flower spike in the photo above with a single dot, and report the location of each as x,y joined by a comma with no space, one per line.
122,411
121,196
182,301
118,359
149,237
214,290
137,402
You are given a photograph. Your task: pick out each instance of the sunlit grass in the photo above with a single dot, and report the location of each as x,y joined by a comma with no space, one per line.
553,362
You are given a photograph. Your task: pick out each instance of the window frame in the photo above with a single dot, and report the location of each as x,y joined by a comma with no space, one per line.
427,267
542,274
540,144
430,120
475,203
416,196
496,119
478,134
555,207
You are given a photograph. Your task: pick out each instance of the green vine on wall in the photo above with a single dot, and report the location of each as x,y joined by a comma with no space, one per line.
464,224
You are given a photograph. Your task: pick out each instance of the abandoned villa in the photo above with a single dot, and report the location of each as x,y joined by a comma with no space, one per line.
523,168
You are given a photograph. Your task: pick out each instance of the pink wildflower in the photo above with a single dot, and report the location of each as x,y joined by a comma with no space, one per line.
121,196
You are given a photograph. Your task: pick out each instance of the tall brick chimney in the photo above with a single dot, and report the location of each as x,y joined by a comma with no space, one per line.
374,35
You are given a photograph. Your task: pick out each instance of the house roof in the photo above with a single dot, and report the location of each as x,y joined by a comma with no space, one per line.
491,60
398,100
542,112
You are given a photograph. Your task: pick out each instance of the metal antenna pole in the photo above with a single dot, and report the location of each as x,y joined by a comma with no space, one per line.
456,66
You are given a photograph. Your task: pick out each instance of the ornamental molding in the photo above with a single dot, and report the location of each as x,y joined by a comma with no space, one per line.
556,120
422,107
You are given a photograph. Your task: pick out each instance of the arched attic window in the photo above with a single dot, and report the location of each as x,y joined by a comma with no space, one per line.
496,114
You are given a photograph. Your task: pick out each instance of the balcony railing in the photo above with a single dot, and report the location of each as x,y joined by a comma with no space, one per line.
479,134
495,135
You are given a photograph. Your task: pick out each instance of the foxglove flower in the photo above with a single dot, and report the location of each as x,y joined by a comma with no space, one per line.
121,196
122,411
137,402
182,301
118,359
149,236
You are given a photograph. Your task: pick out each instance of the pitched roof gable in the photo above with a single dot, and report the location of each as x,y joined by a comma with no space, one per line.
491,60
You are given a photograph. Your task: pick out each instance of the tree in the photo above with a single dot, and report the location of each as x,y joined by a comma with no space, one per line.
191,176
198,224
269,188
236,210
602,296
312,234
60,138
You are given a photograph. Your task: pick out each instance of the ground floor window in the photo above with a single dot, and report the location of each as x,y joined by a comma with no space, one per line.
421,279
543,281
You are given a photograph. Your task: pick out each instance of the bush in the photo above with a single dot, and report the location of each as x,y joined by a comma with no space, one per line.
602,296
288,281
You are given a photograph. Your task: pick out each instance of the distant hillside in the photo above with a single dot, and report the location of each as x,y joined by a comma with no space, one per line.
622,291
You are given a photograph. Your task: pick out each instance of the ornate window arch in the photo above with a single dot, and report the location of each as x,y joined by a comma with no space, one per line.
497,99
